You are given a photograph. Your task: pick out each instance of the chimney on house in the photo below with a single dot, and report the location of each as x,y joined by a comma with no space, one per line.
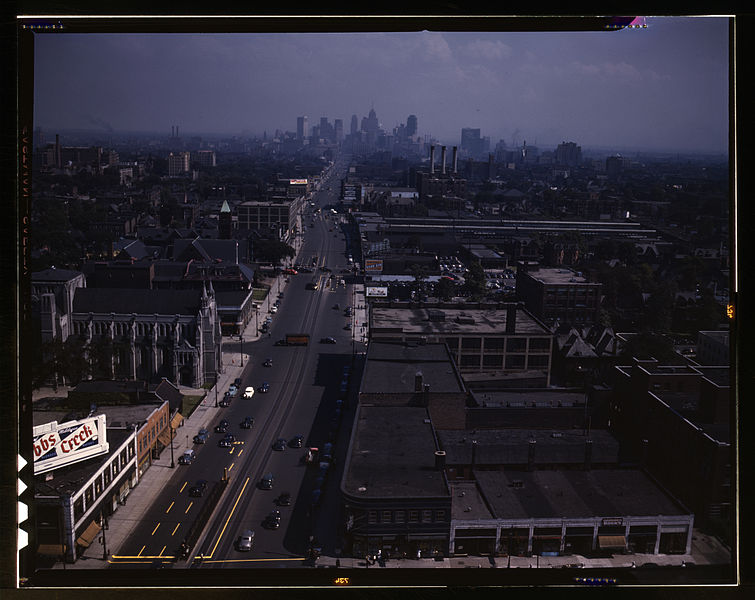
440,459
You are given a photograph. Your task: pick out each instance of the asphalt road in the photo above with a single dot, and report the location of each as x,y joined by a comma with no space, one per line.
305,385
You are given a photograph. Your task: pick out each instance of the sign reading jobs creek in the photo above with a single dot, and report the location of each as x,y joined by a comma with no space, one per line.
57,445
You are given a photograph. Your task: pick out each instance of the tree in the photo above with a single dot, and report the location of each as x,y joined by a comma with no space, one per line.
445,289
272,251
419,272
475,280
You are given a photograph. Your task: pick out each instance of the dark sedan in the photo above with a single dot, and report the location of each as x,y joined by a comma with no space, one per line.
227,441
247,423
198,488
296,442
284,499
280,444
221,427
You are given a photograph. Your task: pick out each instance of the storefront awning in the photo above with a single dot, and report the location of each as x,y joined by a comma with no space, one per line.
85,539
612,541
176,421
51,549
164,437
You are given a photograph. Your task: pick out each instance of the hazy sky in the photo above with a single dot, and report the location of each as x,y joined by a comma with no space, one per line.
663,87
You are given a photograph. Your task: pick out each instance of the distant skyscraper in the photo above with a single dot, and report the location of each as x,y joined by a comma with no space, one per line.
411,125
354,124
372,122
338,130
568,154
178,164
302,128
470,141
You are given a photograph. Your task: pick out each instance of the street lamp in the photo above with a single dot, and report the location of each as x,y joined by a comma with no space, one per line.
217,382
241,339
172,464
104,522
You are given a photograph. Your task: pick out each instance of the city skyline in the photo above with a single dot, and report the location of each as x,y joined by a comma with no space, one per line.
664,87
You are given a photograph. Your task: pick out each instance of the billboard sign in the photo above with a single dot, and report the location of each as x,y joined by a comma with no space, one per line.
297,182
373,266
376,292
57,445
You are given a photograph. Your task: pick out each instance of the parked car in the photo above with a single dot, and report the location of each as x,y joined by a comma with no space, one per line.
202,436
273,309
237,382
245,541
187,457
284,499
279,444
232,389
225,402
247,423
222,427
347,326
249,392
198,488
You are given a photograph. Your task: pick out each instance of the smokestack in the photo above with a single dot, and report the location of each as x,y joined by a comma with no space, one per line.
440,459
418,381
172,131
455,150
588,454
443,159
531,455
176,130
432,159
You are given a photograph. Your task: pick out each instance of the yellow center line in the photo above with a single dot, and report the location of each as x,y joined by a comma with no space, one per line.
118,557
188,507
182,487
142,550
155,529
231,467
231,450
235,504
240,451
171,506
163,550
174,531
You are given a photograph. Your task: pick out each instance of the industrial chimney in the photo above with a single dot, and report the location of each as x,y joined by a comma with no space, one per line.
432,159
443,159
455,150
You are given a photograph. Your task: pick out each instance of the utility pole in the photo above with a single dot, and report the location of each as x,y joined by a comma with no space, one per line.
172,464
217,383
104,541
241,339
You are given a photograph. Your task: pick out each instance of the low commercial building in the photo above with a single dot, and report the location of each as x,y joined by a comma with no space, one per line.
481,338
557,294
552,512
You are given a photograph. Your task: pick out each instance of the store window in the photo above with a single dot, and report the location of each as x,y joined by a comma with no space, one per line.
107,477
440,515
515,362
413,516
427,516
400,516
89,495
78,508
515,344
372,517
386,516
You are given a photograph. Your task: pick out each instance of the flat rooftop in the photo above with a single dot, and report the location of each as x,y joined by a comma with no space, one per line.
392,455
511,446
115,416
557,276
476,321
574,494
534,399
467,502
392,368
